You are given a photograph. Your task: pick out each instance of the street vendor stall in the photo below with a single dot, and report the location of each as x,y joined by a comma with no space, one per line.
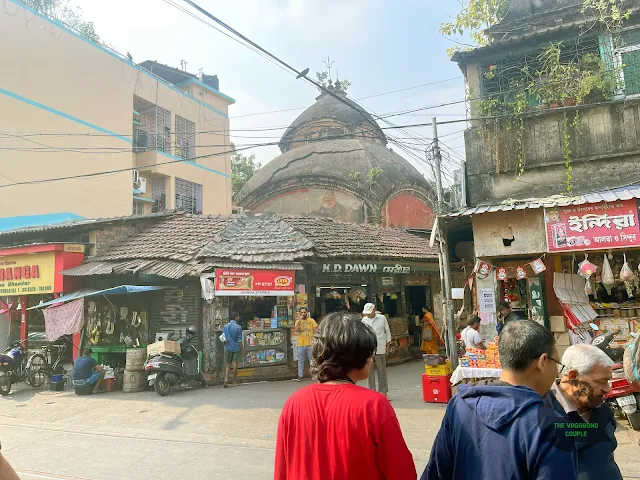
265,302
478,364
111,320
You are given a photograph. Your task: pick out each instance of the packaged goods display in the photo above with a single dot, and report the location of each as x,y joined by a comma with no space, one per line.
488,358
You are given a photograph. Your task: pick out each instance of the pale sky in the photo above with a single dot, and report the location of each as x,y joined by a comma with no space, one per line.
379,45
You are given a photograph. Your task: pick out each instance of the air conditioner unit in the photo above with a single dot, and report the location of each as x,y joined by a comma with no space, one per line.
142,184
136,178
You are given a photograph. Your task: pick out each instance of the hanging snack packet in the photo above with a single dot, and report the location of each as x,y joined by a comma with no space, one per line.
608,280
626,274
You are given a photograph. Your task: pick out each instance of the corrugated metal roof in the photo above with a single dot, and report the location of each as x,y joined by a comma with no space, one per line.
254,266
167,268
626,193
90,222
163,268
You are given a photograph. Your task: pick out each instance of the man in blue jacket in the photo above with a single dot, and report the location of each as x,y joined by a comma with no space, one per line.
500,429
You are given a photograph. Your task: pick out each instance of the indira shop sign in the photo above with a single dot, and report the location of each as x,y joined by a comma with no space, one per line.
27,274
254,283
593,227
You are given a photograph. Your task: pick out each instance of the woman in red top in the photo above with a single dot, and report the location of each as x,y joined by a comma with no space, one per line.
334,429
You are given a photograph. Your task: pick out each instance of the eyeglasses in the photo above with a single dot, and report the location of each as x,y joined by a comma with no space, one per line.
560,364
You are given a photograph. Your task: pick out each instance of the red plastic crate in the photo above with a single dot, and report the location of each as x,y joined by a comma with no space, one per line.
436,389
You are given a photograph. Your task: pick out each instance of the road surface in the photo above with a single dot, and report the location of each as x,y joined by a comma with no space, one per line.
207,433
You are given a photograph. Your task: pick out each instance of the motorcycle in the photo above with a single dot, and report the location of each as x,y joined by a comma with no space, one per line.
13,366
624,397
167,370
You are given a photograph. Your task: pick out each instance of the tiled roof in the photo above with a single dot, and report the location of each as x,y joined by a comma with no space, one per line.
625,193
334,239
259,238
179,237
185,244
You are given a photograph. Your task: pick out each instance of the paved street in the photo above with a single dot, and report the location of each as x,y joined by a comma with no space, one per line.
212,433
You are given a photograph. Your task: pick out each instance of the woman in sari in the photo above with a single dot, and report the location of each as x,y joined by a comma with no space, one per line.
431,338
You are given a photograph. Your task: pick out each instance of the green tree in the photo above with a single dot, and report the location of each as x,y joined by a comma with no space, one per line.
69,16
476,16
243,167
472,20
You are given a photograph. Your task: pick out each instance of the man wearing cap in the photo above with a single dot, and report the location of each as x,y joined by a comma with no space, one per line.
378,323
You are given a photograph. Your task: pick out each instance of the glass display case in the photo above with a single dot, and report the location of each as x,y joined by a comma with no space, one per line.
264,347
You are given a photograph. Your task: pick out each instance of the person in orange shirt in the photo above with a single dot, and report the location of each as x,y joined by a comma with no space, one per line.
431,338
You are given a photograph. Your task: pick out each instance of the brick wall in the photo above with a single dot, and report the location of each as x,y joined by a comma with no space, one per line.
113,234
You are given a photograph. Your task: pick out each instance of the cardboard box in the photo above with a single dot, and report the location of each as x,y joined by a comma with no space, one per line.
557,324
562,339
165,346
440,370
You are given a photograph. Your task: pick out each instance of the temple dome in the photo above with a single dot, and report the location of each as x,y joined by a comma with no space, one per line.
338,155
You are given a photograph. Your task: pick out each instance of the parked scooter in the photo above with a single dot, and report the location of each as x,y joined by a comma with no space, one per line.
167,370
624,397
13,367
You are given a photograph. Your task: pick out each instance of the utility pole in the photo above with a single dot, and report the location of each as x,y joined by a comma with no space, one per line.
450,339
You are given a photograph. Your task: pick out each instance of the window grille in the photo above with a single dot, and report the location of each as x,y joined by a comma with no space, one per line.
500,78
188,196
153,130
138,208
163,130
628,58
159,194
185,138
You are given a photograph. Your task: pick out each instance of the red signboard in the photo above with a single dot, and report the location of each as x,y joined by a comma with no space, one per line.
599,226
256,283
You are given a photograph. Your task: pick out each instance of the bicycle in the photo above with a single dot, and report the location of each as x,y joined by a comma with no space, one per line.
39,368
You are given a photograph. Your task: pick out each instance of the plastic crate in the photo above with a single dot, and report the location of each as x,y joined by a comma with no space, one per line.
436,389
56,386
86,390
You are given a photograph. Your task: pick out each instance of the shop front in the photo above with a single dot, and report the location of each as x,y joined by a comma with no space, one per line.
110,321
595,250
31,275
398,289
266,303
571,265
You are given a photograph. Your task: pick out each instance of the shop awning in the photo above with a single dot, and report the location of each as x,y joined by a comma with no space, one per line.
618,194
570,291
86,292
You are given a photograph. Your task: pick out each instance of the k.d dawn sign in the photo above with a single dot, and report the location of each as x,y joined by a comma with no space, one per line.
374,268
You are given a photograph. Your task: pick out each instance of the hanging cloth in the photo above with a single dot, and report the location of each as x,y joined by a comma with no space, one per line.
64,319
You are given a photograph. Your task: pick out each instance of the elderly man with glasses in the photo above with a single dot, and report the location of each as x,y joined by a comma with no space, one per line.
579,397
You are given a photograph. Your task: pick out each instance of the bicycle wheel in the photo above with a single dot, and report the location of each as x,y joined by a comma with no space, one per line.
37,369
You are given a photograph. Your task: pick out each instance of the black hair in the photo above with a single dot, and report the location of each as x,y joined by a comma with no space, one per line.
502,305
473,320
303,308
522,342
341,343
236,314
87,351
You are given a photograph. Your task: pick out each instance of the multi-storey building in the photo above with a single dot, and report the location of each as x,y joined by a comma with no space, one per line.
86,132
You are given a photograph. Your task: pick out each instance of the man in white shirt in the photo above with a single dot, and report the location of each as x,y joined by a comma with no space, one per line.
378,323
471,335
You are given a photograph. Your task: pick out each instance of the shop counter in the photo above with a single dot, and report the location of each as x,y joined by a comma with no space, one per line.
102,352
466,373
